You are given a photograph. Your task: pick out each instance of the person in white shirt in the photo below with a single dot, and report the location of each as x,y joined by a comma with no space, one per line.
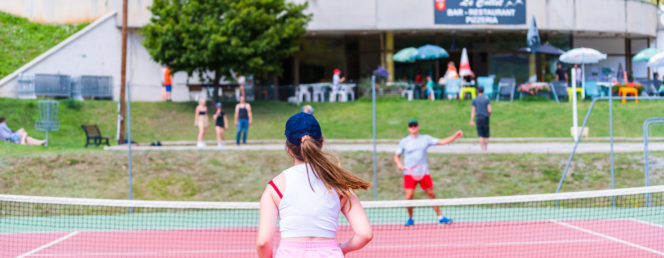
308,198
415,167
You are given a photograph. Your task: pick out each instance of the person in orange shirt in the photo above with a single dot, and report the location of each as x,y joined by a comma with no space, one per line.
167,84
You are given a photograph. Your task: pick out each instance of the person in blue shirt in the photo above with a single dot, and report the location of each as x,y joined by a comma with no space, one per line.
429,89
20,136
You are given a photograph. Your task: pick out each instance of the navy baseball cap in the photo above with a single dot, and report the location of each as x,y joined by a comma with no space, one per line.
302,124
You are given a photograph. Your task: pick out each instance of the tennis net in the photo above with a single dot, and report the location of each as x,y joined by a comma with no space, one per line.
607,223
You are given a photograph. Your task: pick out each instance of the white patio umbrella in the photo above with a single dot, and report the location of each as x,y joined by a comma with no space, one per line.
657,60
580,56
464,65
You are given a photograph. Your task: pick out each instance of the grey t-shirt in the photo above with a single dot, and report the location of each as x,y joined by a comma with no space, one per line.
414,150
481,104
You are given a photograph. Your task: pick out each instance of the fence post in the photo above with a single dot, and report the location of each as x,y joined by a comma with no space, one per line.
373,125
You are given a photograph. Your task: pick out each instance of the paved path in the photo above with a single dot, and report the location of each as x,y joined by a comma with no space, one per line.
454,148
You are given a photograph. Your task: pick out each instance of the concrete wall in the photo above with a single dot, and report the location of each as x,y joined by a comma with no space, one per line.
608,16
77,11
96,50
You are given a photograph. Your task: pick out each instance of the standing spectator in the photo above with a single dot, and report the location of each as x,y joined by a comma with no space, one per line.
561,74
336,84
451,72
657,83
243,118
167,84
221,124
429,88
201,121
479,115
19,137
620,74
577,73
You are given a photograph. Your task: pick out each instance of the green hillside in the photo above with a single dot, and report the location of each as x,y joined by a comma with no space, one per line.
22,41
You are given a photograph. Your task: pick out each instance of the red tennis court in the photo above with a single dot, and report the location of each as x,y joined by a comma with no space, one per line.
572,238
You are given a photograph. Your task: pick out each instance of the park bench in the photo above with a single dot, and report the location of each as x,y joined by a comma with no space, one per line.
93,135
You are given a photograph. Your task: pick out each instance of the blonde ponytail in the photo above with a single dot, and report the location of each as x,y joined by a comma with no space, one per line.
331,174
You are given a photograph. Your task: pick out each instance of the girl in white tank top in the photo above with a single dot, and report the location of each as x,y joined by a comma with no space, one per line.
308,198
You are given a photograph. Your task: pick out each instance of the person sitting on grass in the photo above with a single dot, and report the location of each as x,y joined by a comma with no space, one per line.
20,136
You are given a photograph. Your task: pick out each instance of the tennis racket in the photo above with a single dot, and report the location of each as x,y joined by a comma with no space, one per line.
417,172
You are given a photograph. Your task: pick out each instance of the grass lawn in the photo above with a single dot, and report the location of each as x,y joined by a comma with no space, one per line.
152,121
242,175
21,40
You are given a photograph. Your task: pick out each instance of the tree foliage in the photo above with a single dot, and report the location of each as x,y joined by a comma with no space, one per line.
201,36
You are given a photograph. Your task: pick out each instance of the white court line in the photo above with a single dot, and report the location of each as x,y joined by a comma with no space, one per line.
608,237
220,251
48,244
647,223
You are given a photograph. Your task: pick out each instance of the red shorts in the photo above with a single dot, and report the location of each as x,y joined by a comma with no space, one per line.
410,183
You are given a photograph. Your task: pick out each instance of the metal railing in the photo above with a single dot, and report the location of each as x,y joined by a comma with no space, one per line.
52,85
92,86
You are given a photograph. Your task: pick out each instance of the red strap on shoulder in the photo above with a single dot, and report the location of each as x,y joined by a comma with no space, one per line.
276,189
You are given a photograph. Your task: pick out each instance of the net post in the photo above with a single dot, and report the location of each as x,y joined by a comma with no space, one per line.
129,141
646,173
373,125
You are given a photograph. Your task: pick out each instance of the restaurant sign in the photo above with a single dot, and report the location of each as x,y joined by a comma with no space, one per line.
480,11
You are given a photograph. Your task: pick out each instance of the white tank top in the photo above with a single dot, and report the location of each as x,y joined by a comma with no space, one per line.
307,213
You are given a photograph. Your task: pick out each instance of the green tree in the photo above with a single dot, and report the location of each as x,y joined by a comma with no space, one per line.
201,36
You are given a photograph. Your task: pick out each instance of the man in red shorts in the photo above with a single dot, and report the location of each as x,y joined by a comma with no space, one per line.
416,170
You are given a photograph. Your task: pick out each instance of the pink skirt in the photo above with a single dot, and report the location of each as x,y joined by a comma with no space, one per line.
296,249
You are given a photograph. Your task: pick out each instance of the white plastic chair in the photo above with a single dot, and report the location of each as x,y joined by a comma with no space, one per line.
303,93
408,91
347,89
336,91
319,91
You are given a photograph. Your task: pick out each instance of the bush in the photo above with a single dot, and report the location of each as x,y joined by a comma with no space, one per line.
73,104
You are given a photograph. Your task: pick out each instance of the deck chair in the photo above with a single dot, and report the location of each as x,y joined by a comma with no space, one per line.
453,87
559,90
592,89
506,88
486,82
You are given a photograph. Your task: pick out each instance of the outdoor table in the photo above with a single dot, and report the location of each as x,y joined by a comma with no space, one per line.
630,89
464,90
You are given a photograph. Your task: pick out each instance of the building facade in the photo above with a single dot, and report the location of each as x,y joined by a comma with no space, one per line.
358,36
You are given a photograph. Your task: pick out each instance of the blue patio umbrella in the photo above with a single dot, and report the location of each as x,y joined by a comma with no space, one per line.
430,52
406,55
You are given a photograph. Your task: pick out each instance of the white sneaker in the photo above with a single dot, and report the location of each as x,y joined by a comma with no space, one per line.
201,145
219,145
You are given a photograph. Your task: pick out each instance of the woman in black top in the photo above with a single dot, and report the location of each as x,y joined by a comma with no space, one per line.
243,119
221,123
